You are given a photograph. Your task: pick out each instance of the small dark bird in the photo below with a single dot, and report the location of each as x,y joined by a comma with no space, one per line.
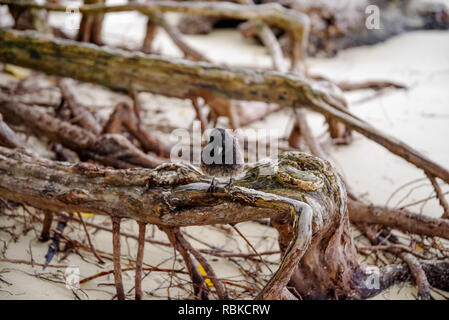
221,157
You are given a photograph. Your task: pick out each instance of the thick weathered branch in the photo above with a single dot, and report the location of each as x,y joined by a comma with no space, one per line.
292,256
56,186
180,78
296,23
156,196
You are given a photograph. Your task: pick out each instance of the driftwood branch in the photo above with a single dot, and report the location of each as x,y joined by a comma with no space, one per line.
156,196
84,117
130,193
174,196
174,34
109,149
399,219
117,256
124,118
269,40
180,78
360,212
9,138
294,22
440,196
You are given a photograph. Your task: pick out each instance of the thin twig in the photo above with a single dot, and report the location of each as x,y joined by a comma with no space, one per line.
219,287
105,273
252,247
91,245
139,259
440,195
46,226
116,250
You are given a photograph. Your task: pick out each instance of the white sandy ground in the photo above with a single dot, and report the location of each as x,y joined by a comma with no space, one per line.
419,116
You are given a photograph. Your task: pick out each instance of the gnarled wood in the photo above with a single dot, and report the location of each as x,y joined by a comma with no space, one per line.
180,78
174,195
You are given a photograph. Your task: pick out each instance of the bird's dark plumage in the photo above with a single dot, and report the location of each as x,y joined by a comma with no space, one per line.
222,156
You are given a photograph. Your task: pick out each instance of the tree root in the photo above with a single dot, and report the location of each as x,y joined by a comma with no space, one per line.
109,149
403,220
117,254
139,260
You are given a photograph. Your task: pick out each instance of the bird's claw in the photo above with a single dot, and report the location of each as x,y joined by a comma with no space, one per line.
213,186
229,185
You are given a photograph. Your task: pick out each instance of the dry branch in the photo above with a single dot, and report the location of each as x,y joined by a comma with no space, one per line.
81,114
294,22
89,240
219,287
155,196
180,78
150,34
82,189
158,196
174,34
269,40
403,220
116,252
124,118
91,25
139,260
8,138
415,267
109,149
46,226
360,212
200,288
419,275
440,196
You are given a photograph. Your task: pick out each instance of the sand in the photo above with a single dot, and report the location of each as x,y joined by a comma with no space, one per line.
419,116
